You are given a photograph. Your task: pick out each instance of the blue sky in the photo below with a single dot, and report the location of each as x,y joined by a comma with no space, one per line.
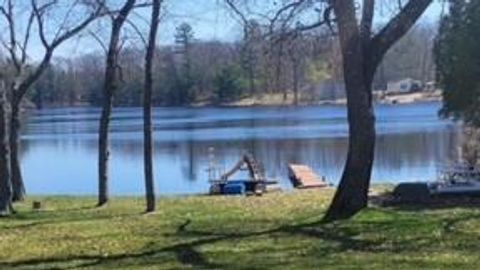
210,20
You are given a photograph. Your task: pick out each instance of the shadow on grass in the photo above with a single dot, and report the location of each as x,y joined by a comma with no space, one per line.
185,253
56,222
339,239
333,239
448,222
52,217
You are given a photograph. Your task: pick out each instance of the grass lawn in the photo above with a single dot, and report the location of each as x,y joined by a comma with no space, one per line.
280,231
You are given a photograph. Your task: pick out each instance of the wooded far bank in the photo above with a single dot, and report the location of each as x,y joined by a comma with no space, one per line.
306,69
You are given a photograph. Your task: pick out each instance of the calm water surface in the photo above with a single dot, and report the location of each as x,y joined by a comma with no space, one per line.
59,146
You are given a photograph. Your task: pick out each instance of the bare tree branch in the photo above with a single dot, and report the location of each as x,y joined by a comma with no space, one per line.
99,40
11,48
137,31
39,12
326,20
280,11
367,19
397,27
237,11
26,39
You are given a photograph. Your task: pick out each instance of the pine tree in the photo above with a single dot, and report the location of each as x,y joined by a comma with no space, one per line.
458,61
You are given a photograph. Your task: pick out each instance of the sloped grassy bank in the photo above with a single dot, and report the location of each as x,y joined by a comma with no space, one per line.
276,231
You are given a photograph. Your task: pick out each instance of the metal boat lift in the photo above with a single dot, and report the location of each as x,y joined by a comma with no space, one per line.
454,180
256,184
457,179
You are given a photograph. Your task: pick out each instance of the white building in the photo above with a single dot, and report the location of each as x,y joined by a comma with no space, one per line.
408,85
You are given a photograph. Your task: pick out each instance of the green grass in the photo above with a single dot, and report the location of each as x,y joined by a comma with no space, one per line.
281,231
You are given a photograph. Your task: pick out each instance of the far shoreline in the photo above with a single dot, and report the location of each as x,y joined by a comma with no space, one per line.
273,100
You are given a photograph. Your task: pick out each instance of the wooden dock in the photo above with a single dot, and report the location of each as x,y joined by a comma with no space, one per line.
303,176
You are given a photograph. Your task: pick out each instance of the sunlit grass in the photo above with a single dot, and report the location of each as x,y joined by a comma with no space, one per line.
281,231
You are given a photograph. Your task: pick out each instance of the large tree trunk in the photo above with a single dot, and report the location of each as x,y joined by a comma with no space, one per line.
103,151
5,176
361,55
147,110
14,141
352,193
110,85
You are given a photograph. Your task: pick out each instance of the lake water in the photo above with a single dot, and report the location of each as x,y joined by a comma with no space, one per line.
59,146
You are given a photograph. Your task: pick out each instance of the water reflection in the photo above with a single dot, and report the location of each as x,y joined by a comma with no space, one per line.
59,145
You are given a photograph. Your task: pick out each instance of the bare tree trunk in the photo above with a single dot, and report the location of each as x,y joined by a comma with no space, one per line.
295,86
279,71
352,193
26,75
103,151
110,85
362,54
147,109
295,76
5,179
251,77
14,141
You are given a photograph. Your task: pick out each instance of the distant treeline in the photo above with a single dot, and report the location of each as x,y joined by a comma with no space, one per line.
212,72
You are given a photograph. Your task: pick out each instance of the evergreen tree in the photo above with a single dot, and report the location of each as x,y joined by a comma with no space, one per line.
458,61
184,86
228,85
